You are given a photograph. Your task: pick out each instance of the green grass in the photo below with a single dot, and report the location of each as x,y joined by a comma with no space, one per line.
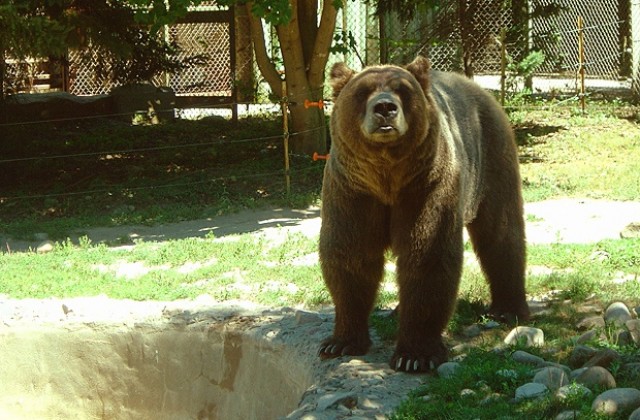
592,156
237,267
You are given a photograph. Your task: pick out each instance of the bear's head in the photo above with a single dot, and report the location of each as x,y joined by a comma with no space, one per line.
382,104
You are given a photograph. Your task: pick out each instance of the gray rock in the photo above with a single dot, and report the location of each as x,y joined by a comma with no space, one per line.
531,391
592,322
633,325
572,390
596,376
304,317
635,415
616,400
566,369
631,369
508,373
552,377
575,373
603,358
581,355
491,325
622,338
531,337
472,331
527,358
568,415
632,230
348,399
448,369
589,336
617,314
44,247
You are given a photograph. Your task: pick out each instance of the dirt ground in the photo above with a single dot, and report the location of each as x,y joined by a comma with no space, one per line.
103,358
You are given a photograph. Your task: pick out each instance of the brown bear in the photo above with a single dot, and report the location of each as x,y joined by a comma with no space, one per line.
416,156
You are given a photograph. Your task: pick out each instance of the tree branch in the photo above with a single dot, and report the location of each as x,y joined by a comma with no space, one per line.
322,45
267,69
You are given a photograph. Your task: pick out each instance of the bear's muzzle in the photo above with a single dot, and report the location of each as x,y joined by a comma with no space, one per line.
384,120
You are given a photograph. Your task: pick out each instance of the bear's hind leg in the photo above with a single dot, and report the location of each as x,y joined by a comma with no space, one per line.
498,238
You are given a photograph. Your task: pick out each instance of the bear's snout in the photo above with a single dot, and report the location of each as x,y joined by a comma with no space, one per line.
384,120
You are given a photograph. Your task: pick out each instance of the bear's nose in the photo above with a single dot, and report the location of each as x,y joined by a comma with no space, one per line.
385,108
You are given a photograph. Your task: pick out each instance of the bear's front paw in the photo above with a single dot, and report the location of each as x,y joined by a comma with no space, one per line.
336,347
419,361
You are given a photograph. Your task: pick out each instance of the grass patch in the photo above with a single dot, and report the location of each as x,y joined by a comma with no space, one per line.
563,154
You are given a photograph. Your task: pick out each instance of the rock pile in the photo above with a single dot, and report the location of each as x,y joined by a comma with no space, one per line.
588,368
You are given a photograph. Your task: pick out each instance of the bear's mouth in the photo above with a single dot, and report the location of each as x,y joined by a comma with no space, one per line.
386,129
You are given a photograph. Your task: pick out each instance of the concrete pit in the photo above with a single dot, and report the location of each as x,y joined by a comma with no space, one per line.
146,371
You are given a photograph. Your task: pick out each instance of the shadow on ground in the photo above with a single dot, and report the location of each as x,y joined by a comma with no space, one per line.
237,223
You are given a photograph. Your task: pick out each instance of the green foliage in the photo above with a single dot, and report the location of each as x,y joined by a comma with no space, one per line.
113,33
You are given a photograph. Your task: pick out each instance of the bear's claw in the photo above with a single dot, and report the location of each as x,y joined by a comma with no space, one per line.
332,347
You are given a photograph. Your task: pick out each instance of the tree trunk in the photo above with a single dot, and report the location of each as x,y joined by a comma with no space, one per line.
305,53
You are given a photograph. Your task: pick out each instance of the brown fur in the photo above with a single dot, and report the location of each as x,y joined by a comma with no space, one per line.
416,156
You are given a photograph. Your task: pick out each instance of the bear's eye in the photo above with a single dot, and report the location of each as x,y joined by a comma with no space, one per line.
404,91
362,93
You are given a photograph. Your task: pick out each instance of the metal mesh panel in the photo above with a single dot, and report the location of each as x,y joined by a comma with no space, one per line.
469,39
211,39
604,37
82,74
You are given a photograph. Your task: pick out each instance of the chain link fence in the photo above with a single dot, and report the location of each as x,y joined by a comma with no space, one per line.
466,36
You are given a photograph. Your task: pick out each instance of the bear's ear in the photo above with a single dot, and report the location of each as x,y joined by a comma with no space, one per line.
340,75
420,68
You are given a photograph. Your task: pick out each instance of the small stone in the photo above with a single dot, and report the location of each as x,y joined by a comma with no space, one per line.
589,336
552,377
347,399
575,373
596,376
568,415
572,390
531,391
566,369
592,322
632,230
631,369
603,358
508,373
526,358
635,415
467,392
617,314
633,325
472,331
622,338
616,400
491,325
304,317
580,355
531,337
44,247
369,404
448,369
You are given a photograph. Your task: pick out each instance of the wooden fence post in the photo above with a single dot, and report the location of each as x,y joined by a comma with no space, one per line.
285,129
581,61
